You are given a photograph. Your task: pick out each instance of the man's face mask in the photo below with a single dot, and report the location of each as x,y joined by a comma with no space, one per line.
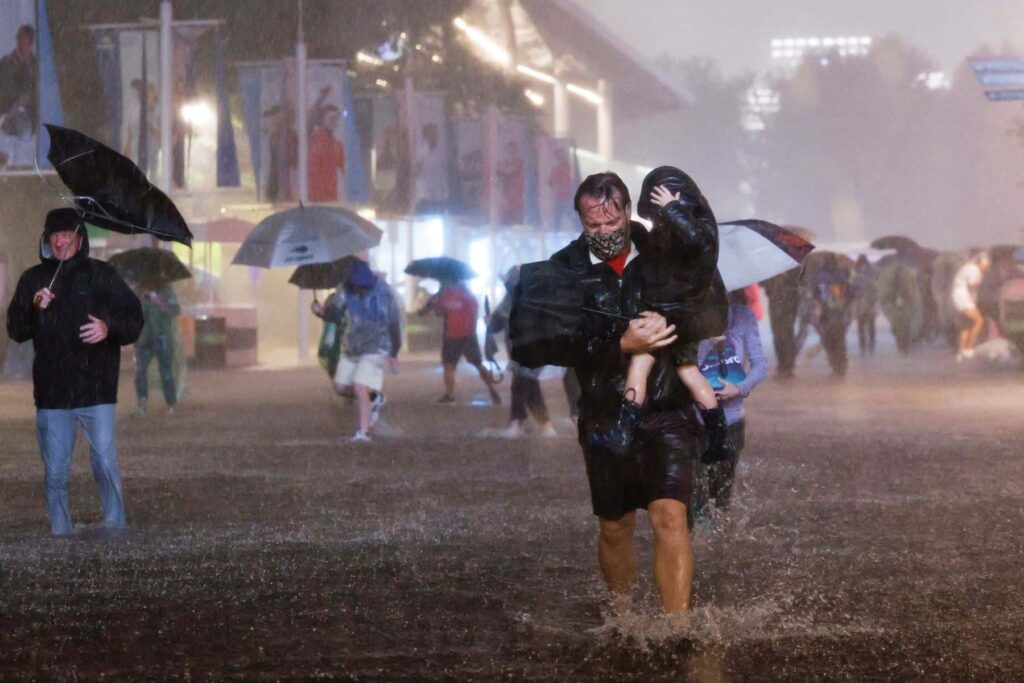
608,245
605,227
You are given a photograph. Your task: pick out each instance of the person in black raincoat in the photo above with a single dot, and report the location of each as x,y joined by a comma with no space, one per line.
657,473
77,326
683,284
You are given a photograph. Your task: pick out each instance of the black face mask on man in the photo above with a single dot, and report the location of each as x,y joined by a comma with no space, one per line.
608,245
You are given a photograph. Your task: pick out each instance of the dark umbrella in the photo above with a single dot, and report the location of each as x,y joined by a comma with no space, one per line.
110,191
322,275
547,315
900,243
150,267
440,268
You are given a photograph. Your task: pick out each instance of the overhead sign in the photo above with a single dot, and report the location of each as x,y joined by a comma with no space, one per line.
981,66
1004,95
998,78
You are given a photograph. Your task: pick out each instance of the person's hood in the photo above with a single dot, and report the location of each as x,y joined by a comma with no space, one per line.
361,276
677,182
46,254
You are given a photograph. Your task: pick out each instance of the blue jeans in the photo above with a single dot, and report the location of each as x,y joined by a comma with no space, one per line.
56,431
163,349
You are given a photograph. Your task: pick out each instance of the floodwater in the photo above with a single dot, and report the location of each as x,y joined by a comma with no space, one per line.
877,536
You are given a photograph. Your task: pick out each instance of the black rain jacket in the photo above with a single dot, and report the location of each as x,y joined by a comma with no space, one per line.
68,373
594,351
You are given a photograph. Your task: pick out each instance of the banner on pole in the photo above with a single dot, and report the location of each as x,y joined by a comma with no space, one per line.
29,92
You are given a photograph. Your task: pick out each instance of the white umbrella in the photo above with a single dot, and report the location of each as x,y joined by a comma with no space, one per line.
304,235
751,251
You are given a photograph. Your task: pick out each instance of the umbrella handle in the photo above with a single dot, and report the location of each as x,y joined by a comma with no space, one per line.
606,313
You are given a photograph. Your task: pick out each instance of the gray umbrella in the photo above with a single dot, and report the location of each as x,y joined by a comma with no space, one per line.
307,234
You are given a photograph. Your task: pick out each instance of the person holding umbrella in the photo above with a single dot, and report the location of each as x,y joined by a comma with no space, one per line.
371,341
457,305
78,323
459,308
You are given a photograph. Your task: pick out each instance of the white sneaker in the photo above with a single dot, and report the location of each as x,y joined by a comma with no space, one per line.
548,431
375,407
513,431
360,436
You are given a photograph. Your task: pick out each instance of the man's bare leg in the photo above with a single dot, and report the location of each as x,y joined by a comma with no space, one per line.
640,366
616,557
449,379
673,556
362,393
698,385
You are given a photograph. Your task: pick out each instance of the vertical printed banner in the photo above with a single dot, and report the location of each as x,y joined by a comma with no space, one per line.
336,171
227,154
279,143
29,92
250,85
515,172
558,177
431,157
270,126
391,155
108,59
140,98
470,177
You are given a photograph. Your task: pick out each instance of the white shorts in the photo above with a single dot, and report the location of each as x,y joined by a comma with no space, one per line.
367,370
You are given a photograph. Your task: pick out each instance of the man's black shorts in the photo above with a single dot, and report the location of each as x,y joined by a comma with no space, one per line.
661,465
466,347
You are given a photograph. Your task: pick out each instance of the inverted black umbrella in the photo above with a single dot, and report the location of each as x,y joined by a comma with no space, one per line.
322,275
441,268
110,191
547,315
152,268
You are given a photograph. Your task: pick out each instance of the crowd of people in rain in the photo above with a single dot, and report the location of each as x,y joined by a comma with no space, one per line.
659,356
926,296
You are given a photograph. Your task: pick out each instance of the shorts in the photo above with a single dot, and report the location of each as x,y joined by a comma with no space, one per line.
661,465
465,347
367,370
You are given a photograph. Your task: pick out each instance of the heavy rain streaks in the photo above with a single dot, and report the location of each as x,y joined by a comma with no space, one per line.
876,534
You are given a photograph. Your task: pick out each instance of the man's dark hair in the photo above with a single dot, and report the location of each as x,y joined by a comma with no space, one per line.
25,30
605,187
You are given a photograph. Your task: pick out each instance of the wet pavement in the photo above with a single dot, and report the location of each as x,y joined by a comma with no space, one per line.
878,535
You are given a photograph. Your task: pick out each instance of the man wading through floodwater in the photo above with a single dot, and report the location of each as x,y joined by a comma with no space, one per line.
657,473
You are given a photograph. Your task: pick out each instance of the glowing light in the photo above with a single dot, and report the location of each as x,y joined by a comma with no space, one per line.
369,59
539,75
198,113
536,98
588,95
436,59
382,83
490,48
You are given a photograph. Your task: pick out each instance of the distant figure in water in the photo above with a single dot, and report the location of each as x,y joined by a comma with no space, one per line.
657,473
734,364
459,309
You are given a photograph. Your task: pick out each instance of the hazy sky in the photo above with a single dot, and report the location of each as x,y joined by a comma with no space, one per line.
738,33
